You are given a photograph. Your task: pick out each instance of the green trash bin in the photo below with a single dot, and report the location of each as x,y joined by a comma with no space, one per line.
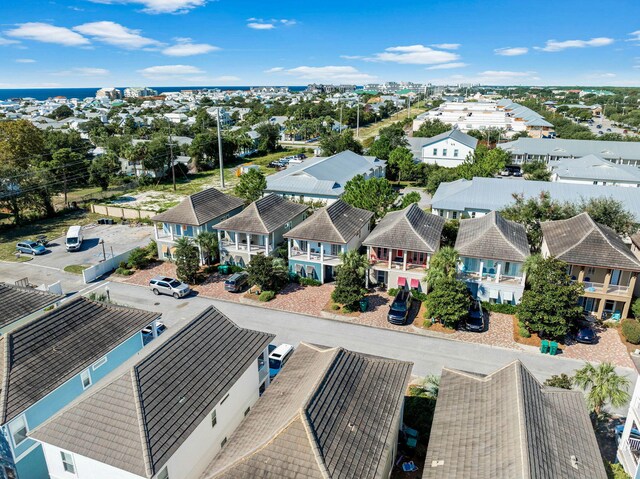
364,304
553,348
544,347
223,269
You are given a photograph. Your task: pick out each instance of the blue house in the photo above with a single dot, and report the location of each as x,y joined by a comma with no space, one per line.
19,305
50,361
197,213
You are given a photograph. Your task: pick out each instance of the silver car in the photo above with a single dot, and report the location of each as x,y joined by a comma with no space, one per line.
169,286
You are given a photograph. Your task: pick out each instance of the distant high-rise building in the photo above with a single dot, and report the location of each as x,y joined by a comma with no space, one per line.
111,93
139,91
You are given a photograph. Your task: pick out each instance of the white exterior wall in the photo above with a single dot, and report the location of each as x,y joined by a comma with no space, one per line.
584,181
192,456
448,161
624,454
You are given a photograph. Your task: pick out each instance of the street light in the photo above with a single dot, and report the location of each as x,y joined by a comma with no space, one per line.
106,290
104,253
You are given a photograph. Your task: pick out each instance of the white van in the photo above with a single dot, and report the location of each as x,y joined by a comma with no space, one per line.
278,358
74,238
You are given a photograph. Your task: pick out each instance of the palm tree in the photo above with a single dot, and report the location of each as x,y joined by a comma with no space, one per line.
357,262
208,243
532,263
604,386
430,386
187,260
443,266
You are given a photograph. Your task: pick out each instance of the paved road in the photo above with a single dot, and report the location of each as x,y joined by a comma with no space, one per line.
429,354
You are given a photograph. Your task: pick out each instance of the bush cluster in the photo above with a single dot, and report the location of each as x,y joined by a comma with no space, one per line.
309,282
500,308
266,296
631,330
124,271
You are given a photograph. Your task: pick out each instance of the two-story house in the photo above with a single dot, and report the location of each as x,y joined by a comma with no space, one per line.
258,229
331,413
50,361
315,245
167,414
19,305
492,253
401,246
596,257
199,212
448,149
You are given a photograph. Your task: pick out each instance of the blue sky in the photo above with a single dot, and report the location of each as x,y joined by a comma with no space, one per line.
76,43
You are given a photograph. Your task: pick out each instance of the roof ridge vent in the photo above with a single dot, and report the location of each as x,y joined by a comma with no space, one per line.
574,462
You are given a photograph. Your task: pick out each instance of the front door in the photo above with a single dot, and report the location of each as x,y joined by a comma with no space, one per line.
381,277
328,273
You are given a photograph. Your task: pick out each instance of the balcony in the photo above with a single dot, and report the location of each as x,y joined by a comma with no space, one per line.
380,263
592,287
491,278
315,256
242,246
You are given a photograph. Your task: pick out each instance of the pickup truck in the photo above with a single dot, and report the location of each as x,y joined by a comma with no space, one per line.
400,307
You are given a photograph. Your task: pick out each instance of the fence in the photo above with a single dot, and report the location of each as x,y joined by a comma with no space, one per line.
96,271
120,212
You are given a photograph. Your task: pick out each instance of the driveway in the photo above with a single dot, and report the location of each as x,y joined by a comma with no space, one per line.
117,239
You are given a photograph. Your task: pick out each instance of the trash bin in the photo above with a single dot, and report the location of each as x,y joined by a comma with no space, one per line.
292,276
223,269
364,304
544,347
553,348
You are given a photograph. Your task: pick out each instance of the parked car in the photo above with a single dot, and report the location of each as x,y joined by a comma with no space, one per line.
169,286
586,335
609,129
400,307
598,126
74,238
278,358
475,319
31,247
236,282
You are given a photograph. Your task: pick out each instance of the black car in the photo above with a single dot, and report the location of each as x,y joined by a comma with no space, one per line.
475,319
399,310
586,335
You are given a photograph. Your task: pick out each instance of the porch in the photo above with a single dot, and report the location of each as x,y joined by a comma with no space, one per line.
398,259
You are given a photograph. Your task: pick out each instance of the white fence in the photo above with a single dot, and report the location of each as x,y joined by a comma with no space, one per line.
94,272
120,212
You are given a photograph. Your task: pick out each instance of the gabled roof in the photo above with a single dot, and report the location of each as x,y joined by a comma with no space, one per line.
45,353
594,167
336,223
492,237
454,134
607,149
17,302
137,421
331,413
507,425
200,208
580,240
264,215
411,229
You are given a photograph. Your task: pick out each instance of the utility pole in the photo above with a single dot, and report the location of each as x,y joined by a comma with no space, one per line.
220,150
340,114
358,119
409,109
173,166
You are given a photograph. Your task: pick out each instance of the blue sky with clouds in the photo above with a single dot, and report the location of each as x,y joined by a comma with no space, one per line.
76,43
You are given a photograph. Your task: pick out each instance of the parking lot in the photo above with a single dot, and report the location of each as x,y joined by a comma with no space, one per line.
117,239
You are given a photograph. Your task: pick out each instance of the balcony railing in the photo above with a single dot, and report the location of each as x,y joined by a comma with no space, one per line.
592,287
397,265
490,277
231,246
314,255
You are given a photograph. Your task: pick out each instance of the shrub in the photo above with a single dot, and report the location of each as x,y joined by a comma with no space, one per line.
427,323
635,308
631,330
335,307
266,296
123,265
523,331
500,308
152,249
393,292
138,258
124,271
418,296
309,282
236,269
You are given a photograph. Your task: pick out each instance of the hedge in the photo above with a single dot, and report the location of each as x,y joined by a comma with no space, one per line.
631,330
309,282
500,308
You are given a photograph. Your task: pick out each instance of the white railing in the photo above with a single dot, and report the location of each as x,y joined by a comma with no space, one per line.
634,444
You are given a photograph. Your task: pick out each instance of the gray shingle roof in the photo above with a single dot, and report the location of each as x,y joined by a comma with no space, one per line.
507,425
264,215
323,175
580,240
200,208
594,167
609,150
43,354
411,229
17,302
159,401
331,413
492,237
454,134
494,194
336,223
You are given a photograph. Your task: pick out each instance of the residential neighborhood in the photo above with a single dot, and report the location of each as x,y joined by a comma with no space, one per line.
258,241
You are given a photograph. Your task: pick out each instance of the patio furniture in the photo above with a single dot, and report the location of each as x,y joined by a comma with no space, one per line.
544,346
412,442
409,466
616,316
410,432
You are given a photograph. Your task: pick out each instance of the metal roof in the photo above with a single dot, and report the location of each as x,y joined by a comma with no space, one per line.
609,150
594,167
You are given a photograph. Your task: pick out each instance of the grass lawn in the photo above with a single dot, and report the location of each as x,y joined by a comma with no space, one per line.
75,268
373,129
51,227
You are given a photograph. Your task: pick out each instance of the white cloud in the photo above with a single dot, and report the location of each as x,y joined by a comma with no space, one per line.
83,71
115,34
288,22
44,32
229,78
352,57
25,60
160,6
447,66
504,75
261,26
414,55
169,71
635,36
511,51
185,48
341,74
7,41
274,70
446,46
556,46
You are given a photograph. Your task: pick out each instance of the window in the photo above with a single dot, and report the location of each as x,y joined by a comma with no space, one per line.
99,363
214,418
455,153
223,443
444,152
224,399
435,152
85,377
454,215
67,462
19,429
164,474
246,411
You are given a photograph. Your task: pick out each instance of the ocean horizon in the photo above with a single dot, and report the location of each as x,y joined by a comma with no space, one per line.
81,93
